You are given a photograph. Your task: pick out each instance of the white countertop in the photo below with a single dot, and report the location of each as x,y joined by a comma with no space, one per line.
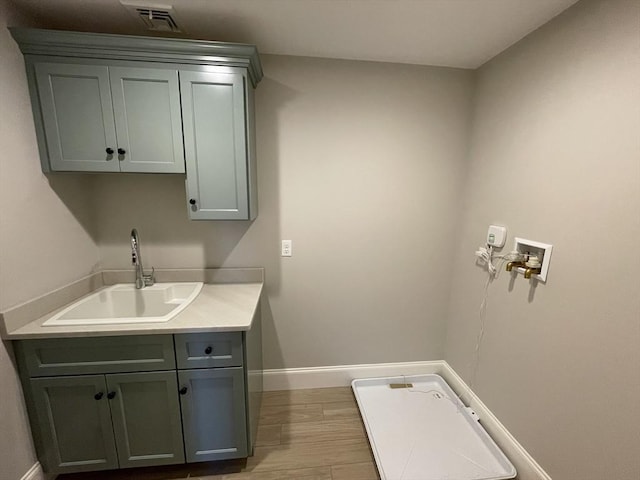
218,308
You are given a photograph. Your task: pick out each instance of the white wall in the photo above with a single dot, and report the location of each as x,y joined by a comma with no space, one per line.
361,165
555,156
46,226
43,244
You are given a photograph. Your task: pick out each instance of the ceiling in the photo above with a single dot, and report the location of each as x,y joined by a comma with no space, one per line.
453,33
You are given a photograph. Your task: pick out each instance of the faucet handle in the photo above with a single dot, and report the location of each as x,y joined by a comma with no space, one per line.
150,278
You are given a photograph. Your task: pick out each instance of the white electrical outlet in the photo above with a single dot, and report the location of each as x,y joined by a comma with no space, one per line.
287,248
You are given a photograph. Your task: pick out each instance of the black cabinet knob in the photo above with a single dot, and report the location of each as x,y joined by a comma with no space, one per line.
183,391
192,201
109,151
208,350
98,395
111,395
121,151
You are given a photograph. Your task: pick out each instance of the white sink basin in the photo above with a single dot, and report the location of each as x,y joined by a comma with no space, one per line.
123,303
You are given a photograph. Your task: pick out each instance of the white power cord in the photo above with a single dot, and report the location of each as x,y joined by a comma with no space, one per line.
486,255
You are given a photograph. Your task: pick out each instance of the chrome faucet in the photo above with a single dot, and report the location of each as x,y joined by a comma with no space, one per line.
142,280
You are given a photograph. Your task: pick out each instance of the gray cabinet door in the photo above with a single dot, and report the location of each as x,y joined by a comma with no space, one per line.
146,418
146,104
213,413
75,423
77,115
214,122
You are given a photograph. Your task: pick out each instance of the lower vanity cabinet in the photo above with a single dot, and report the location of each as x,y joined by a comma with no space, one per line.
131,401
97,422
99,403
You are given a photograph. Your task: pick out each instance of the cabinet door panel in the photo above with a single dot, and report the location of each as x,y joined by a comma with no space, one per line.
146,418
146,104
78,116
74,425
213,107
213,414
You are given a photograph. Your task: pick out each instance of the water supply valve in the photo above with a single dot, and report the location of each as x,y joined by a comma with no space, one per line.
536,257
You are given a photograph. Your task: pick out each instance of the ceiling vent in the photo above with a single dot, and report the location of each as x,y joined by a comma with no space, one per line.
160,18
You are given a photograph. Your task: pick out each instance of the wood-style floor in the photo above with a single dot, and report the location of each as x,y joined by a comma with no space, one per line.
314,434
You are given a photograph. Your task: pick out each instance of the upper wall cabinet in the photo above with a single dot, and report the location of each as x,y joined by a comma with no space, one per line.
116,103
214,107
100,118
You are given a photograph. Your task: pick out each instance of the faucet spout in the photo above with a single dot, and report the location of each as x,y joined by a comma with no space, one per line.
142,280
531,270
510,265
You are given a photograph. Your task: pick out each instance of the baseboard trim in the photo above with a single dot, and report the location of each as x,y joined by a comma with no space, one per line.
34,473
342,375
527,467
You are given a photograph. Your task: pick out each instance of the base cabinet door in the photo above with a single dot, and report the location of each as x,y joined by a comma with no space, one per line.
74,423
146,418
213,413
